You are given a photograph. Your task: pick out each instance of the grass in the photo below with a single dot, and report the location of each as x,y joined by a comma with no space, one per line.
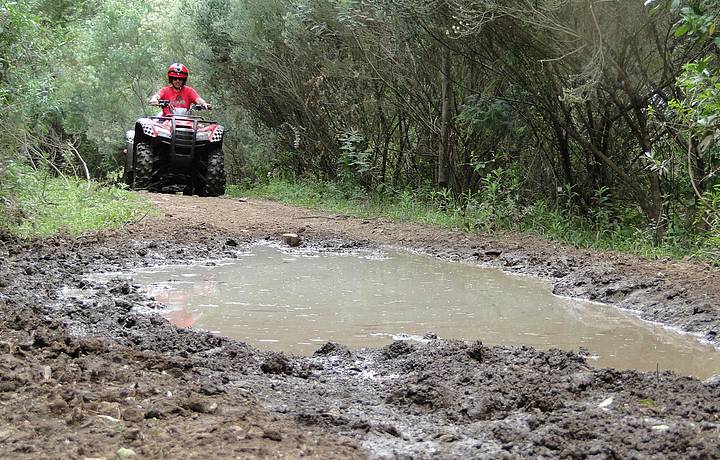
329,197
500,214
38,205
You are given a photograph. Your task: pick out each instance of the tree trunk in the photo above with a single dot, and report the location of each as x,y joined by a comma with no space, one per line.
404,143
444,147
564,149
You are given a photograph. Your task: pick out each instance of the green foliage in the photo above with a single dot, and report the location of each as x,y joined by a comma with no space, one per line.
355,163
485,118
699,19
699,110
37,204
698,116
27,49
710,215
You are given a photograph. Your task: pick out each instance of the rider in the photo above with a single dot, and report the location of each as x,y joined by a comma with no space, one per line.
177,92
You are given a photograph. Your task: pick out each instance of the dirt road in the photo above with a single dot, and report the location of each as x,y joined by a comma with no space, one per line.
95,375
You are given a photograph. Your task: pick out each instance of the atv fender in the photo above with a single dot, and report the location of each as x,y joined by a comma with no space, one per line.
144,127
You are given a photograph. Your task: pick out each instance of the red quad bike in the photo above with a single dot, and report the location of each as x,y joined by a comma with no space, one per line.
177,152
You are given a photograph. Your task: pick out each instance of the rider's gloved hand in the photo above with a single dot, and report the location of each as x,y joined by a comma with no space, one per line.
207,106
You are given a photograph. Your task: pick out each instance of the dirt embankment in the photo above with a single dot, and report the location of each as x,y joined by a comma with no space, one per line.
95,377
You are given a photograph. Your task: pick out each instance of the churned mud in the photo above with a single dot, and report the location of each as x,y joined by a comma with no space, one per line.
102,375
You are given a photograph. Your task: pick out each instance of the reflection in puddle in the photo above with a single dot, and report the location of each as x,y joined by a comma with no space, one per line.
293,303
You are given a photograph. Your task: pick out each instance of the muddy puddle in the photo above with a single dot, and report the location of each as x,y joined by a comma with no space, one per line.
296,301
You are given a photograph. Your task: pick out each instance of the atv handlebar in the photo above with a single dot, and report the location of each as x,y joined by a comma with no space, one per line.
160,103
166,102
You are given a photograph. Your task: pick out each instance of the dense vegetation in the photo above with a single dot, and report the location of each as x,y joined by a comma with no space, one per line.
592,117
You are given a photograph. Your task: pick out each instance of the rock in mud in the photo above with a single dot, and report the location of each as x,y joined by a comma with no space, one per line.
45,373
273,435
201,405
291,239
133,414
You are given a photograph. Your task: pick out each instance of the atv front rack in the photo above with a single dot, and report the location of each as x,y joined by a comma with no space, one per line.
183,138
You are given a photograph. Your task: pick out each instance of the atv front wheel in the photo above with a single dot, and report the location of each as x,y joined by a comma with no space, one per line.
144,162
215,184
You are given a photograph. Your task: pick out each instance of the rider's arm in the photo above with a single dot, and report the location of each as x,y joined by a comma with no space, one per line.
157,97
201,101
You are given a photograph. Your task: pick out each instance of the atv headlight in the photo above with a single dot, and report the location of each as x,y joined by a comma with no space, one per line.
162,132
202,135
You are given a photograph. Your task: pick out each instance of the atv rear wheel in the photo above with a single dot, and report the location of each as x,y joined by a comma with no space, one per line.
215,184
144,165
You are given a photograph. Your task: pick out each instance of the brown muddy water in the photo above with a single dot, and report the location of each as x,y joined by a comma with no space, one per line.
296,301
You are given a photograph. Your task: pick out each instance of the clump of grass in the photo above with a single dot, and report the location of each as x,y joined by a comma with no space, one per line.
36,204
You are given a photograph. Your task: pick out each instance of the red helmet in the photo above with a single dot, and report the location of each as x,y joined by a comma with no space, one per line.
177,70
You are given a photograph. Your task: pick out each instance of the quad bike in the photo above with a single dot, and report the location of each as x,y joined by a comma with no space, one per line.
178,152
